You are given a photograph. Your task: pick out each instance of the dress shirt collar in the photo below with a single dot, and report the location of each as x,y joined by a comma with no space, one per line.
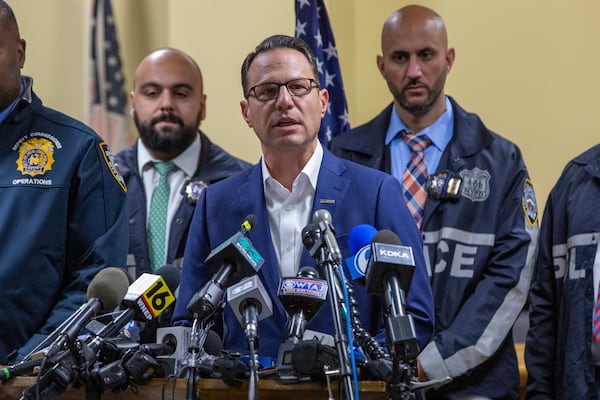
310,170
440,132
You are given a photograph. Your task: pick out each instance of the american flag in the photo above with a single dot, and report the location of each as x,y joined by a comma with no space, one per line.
312,25
107,113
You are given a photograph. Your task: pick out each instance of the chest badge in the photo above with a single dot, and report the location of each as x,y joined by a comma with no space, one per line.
36,156
475,184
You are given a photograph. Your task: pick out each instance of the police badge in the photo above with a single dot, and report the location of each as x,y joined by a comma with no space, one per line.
36,156
476,184
192,189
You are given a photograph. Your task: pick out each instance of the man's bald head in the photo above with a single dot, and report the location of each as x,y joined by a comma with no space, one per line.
169,53
417,17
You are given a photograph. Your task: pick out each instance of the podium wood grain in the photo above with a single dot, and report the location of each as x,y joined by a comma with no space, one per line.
210,389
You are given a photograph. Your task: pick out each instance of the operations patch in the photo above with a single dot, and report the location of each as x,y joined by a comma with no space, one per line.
36,156
475,184
529,203
113,167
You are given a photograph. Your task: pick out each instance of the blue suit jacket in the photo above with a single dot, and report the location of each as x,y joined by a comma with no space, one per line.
354,195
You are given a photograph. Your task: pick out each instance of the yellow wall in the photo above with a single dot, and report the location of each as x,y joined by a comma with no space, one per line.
529,69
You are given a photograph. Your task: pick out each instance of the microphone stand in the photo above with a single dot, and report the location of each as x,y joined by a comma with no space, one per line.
197,338
341,344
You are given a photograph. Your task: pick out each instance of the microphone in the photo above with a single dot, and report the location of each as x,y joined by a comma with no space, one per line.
171,274
323,219
179,338
359,243
389,273
250,303
233,260
301,297
146,298
104,293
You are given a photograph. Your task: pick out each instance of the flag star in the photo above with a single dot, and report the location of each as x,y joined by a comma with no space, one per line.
303,3
319,39
345,118
300,31
112,61
328,107
319,66
113,101
329,79
328,133
331,51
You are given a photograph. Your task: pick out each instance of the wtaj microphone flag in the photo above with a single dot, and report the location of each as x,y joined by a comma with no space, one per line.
312,26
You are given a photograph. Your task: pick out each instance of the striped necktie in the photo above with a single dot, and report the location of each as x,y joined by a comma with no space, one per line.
596,326
415,175
157,222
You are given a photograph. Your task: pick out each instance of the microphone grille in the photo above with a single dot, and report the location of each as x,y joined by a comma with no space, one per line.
387,236
171,274
109,286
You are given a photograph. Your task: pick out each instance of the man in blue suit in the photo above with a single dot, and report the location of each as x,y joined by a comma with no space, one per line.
295,177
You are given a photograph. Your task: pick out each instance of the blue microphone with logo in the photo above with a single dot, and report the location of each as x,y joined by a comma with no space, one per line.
359,244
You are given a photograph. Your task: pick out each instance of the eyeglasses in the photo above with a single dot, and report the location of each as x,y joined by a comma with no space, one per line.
295,87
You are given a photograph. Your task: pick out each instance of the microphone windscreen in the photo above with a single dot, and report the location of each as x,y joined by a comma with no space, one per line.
387,236
360,236
213,344
109,286
171,274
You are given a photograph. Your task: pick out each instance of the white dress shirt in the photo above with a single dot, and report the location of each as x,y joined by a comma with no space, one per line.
289,212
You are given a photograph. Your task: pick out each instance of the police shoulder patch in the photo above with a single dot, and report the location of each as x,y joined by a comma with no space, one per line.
529,202
111,162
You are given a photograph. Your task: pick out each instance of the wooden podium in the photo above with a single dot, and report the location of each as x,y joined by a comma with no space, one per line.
210,389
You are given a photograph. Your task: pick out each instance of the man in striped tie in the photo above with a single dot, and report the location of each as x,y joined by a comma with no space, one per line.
471,196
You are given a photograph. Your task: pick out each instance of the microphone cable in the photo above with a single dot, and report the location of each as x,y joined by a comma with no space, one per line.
371,347
344,284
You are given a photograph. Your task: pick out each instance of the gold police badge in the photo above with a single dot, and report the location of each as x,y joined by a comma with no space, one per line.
36,156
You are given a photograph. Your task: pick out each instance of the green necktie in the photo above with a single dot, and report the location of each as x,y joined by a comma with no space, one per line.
157,223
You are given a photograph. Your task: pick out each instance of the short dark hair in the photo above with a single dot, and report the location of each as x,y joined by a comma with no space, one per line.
7,18
279,42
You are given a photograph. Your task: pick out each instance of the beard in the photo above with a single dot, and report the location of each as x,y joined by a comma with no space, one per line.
167,140
423,107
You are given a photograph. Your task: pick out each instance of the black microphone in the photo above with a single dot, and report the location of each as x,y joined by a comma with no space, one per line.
145,299
171,274
323,219
250,303
302,297
104,293
389,273
233,260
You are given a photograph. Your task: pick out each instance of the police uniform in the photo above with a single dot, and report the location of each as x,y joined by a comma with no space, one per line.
63,219
558,352
479,235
